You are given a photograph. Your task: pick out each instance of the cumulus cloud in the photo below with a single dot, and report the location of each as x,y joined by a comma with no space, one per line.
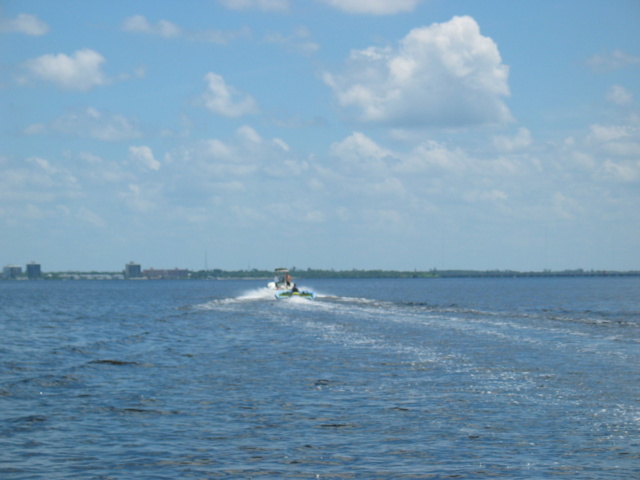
429,175
373,7
90,123
221,171
444,75
246,153
225,100
264,5
24,23
143,155
139,24
610,152
81,71
360,151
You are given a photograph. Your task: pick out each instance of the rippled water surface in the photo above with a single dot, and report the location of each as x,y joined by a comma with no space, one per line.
375,379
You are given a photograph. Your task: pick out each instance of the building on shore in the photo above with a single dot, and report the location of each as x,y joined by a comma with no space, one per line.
132,270
11,272
34,271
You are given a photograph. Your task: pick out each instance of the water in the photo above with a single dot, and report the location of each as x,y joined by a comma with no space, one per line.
375,379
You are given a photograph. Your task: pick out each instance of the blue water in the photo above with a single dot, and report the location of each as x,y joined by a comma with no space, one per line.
375,379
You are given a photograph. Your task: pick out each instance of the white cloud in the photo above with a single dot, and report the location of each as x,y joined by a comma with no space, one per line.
298,41
241,156
373,7
217,149
140,24
81,71
36,180
607,133
167,29
225,100
281,144
265,5
432,156
144,156
624,146
24,23
216,161
611,153
520,141
360,152
445,75
97,169
90,158
619,95
141,199
621,171
606,62
86,215
89,123
248,135
42,164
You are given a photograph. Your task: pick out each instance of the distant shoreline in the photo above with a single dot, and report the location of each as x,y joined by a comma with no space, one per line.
255,274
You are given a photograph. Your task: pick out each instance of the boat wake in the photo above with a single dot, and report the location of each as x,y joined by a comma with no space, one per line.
262,295
256,294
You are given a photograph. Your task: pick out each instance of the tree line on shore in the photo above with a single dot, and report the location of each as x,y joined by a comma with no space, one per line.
312,273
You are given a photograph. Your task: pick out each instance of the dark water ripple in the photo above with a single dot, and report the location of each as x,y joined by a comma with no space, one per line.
478,378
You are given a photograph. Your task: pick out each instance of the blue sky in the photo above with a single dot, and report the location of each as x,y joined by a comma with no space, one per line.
338,134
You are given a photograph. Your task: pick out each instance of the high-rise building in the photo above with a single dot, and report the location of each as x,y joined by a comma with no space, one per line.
132,270
11,272
33,271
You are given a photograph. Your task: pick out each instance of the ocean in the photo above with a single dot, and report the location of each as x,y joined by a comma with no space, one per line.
473,378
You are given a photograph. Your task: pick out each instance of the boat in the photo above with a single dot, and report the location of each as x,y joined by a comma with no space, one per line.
285,288
281,280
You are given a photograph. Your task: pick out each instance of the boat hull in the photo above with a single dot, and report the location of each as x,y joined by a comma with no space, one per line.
291,294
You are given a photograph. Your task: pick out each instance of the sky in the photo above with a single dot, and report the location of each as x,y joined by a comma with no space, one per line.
330,134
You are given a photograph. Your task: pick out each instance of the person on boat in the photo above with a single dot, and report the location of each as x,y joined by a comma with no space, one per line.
287,280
